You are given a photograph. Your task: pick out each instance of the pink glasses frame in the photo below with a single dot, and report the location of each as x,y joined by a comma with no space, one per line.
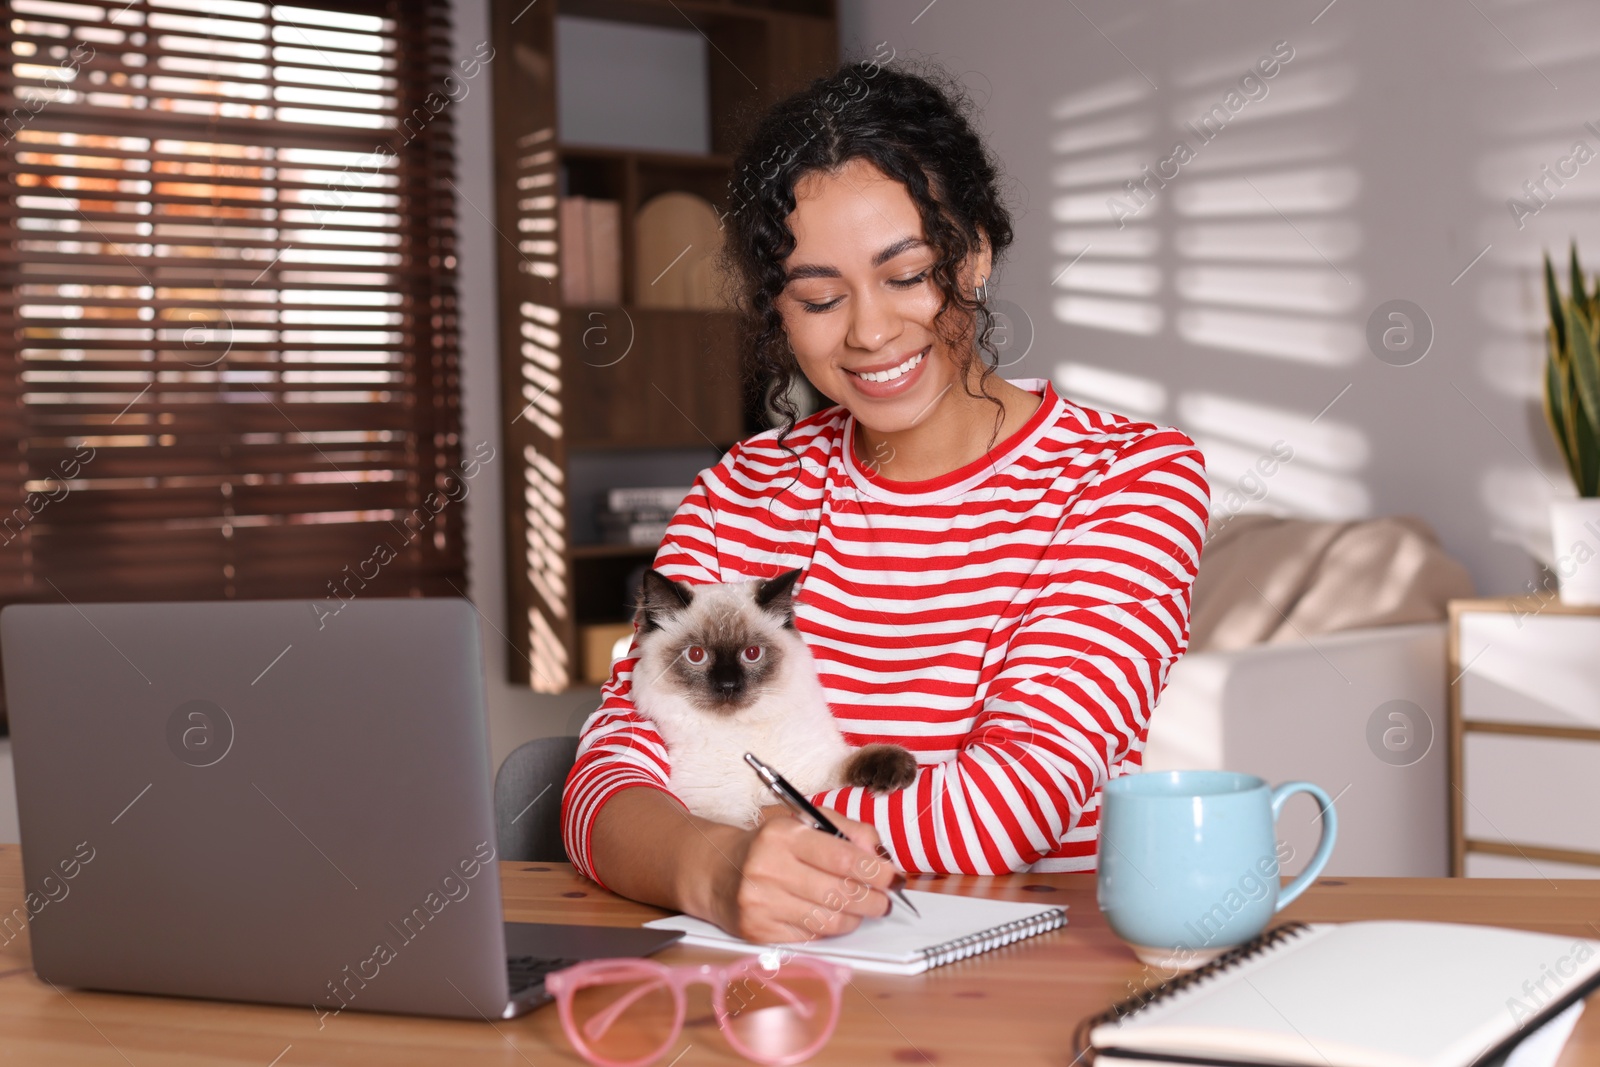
563,984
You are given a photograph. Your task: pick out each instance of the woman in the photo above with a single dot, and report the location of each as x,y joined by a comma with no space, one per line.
994,578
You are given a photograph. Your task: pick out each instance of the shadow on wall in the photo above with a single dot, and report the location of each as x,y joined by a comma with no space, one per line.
1538,188
544,496
1216,208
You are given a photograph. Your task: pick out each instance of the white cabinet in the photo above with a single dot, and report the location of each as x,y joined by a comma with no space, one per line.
1524,739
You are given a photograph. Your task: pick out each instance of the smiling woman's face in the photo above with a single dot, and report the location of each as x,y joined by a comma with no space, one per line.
860,301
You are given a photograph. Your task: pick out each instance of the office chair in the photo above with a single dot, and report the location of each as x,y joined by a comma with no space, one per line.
527,799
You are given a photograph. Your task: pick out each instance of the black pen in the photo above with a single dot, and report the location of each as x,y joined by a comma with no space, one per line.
806,810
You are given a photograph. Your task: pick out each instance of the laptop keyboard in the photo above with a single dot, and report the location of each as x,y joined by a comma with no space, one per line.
526,972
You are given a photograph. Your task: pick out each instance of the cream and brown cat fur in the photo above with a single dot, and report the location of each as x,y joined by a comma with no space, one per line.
722,671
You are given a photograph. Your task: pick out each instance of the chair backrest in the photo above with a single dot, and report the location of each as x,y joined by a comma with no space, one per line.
527,799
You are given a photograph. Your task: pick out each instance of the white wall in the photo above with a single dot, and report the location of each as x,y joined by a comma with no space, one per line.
515,714
1390,143
1235,304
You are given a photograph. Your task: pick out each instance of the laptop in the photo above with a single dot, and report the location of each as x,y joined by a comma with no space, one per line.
271,801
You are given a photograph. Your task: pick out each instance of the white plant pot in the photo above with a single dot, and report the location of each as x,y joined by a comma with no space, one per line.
1575,536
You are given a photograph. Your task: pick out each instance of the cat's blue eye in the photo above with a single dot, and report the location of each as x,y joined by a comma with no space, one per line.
752,654
695,655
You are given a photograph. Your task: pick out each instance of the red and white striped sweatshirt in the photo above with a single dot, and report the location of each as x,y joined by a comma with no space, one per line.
1011,623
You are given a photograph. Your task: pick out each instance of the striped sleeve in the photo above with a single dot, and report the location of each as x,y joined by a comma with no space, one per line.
618,748
1084,665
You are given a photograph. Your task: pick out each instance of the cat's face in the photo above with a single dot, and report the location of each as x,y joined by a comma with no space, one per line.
718,646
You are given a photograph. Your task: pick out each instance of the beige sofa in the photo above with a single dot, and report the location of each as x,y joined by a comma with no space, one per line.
1304,710
1318,653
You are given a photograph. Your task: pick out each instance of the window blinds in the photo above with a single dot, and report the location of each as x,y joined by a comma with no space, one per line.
228,356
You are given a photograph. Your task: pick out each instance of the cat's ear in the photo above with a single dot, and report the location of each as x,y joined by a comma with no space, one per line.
660,598
776,595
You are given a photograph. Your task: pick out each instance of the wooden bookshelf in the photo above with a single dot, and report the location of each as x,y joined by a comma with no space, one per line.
598,378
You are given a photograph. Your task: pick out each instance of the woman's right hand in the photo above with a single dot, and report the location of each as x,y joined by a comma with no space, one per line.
778,881
784,881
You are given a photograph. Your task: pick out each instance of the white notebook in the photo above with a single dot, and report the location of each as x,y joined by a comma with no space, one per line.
951,928
1360,994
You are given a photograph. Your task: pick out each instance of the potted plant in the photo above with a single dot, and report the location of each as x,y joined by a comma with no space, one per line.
1572,406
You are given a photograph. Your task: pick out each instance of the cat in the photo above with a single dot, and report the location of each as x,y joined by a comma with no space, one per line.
722,671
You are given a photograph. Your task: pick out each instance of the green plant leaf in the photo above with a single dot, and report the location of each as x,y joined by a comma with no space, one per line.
1557,412
1557,317
1586,442
1578,297
1582,442
1585,363
1590,488
1584,416
1588,445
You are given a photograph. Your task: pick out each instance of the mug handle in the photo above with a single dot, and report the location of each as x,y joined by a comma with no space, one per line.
1330,831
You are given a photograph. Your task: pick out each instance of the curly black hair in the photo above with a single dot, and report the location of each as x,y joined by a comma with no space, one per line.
917,132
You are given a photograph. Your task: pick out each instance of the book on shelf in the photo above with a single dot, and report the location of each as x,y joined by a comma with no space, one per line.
622,530
591,250
574,250
605,252
661,498
645,514
637,515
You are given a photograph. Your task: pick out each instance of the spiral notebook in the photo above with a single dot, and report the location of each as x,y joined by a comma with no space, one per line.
1359,994
951,928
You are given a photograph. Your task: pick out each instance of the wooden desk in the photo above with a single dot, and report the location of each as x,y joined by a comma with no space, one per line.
1015,1006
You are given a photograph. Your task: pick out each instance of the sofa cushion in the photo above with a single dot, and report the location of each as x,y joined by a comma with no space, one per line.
1265,580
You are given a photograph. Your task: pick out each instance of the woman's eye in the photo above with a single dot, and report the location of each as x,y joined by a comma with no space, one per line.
695,655
753,654
817,307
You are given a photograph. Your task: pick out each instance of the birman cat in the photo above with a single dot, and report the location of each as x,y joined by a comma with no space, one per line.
722,671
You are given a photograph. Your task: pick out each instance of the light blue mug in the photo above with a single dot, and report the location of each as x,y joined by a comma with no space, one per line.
1188,864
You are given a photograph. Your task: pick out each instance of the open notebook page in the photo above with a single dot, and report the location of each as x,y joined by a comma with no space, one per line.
1367,994
901,943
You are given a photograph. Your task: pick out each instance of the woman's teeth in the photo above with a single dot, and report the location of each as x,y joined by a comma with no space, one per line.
893,372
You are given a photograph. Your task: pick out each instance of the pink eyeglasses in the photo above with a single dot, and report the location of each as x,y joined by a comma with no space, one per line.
776,1009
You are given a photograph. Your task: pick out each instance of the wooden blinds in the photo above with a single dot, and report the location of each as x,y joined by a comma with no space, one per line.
227,301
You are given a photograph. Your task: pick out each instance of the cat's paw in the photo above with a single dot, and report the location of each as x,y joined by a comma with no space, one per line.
881,768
